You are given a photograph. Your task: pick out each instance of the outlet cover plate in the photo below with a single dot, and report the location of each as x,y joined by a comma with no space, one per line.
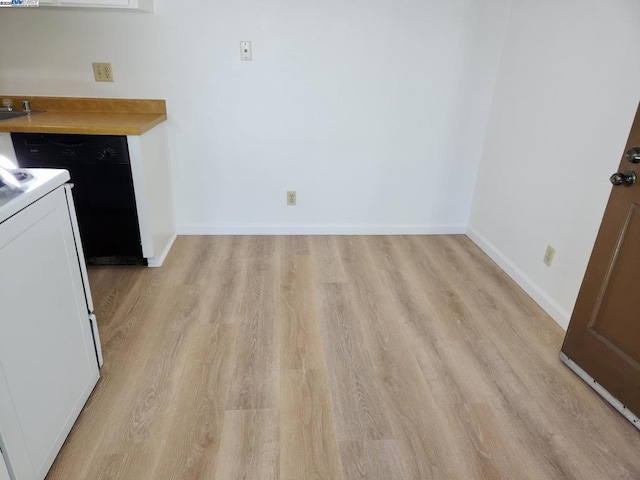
103,72
548,255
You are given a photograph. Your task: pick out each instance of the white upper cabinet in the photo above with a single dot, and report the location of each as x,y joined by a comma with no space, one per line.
144,5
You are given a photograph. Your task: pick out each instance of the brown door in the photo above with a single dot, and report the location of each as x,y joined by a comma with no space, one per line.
604,334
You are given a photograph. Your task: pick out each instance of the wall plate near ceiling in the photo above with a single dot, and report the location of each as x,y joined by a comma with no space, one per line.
245,51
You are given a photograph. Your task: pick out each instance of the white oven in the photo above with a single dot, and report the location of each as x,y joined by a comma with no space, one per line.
49,346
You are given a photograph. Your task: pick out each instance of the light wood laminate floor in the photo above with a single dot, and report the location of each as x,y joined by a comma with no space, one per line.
335,358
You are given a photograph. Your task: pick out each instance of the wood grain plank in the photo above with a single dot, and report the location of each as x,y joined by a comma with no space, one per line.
296,245
256,382
309,445
327,263
372,460
249,446
301,339
359,409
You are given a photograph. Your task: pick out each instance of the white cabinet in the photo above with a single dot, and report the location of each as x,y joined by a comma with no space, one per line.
48,365
144,5
152,186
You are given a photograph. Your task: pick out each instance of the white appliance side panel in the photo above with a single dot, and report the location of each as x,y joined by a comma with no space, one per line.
79,250
46,345
10,423
96,339
68,190
140,192
4,473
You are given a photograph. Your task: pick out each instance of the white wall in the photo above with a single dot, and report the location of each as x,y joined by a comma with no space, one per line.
565,98
373,110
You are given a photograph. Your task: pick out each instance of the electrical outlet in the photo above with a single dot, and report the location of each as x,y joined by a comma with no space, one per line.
245,51
548,255
291,197
103,72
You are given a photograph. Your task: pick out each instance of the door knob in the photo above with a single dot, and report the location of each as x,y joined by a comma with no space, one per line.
623,178
633,155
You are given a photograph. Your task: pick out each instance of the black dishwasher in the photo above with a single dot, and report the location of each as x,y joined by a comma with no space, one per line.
103,191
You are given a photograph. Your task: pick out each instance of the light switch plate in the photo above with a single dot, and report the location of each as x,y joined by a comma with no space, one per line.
103,72
245,51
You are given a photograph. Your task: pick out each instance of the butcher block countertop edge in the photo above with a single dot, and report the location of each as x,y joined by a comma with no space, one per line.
90,116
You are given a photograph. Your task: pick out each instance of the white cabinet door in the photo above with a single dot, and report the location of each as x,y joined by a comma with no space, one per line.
48,363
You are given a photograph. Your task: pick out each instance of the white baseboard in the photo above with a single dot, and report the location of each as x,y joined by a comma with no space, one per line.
159,260
537,293
321,229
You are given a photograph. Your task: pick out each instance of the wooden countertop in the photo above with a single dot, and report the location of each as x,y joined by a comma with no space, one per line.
90,116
